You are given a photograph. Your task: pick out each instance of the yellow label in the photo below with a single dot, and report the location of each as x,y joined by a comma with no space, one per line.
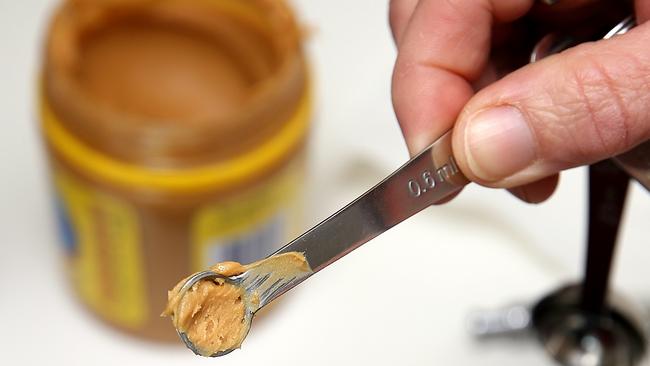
102,235
251,225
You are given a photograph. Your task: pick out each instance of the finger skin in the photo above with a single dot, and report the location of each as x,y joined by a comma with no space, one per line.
444,47
538,191
584,105
399,14
642,10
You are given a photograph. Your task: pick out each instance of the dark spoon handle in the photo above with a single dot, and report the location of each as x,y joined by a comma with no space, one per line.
607,191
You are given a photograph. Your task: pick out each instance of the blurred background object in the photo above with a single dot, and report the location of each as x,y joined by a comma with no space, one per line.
481,250
175,131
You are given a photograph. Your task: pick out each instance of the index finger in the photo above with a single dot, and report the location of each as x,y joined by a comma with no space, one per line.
443,49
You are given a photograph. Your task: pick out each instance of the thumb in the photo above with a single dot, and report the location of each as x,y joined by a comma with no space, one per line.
575,108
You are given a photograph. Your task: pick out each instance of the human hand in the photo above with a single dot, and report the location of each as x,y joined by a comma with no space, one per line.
517,125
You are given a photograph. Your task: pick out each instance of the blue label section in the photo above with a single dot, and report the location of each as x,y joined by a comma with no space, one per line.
250,246
66,231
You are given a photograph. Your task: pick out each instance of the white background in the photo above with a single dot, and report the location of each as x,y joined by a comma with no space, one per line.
399,300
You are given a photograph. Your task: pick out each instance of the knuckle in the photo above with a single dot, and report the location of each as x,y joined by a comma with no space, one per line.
603,115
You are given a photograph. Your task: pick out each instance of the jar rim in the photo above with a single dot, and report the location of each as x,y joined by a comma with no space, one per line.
146,141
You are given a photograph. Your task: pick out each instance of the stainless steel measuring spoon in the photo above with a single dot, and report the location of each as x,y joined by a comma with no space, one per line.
425,179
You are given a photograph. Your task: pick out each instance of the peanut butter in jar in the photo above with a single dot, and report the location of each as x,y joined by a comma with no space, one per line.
175,131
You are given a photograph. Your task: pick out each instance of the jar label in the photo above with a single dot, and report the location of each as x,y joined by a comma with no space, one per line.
102,237
251,225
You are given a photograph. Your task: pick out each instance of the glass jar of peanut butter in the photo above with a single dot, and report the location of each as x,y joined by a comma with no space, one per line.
175,131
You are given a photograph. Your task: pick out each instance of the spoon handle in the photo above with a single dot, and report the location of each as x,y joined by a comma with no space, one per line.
607,191
427,178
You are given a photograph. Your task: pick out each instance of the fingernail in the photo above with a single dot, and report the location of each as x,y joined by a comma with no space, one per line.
499,143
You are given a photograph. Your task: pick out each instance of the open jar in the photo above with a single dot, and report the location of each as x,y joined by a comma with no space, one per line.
175,131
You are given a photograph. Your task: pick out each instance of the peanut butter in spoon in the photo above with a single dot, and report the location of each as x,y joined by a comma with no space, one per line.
214,313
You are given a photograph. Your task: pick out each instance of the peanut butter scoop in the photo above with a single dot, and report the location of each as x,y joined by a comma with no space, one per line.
212,310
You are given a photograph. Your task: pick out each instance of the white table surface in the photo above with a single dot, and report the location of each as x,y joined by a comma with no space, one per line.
400,300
